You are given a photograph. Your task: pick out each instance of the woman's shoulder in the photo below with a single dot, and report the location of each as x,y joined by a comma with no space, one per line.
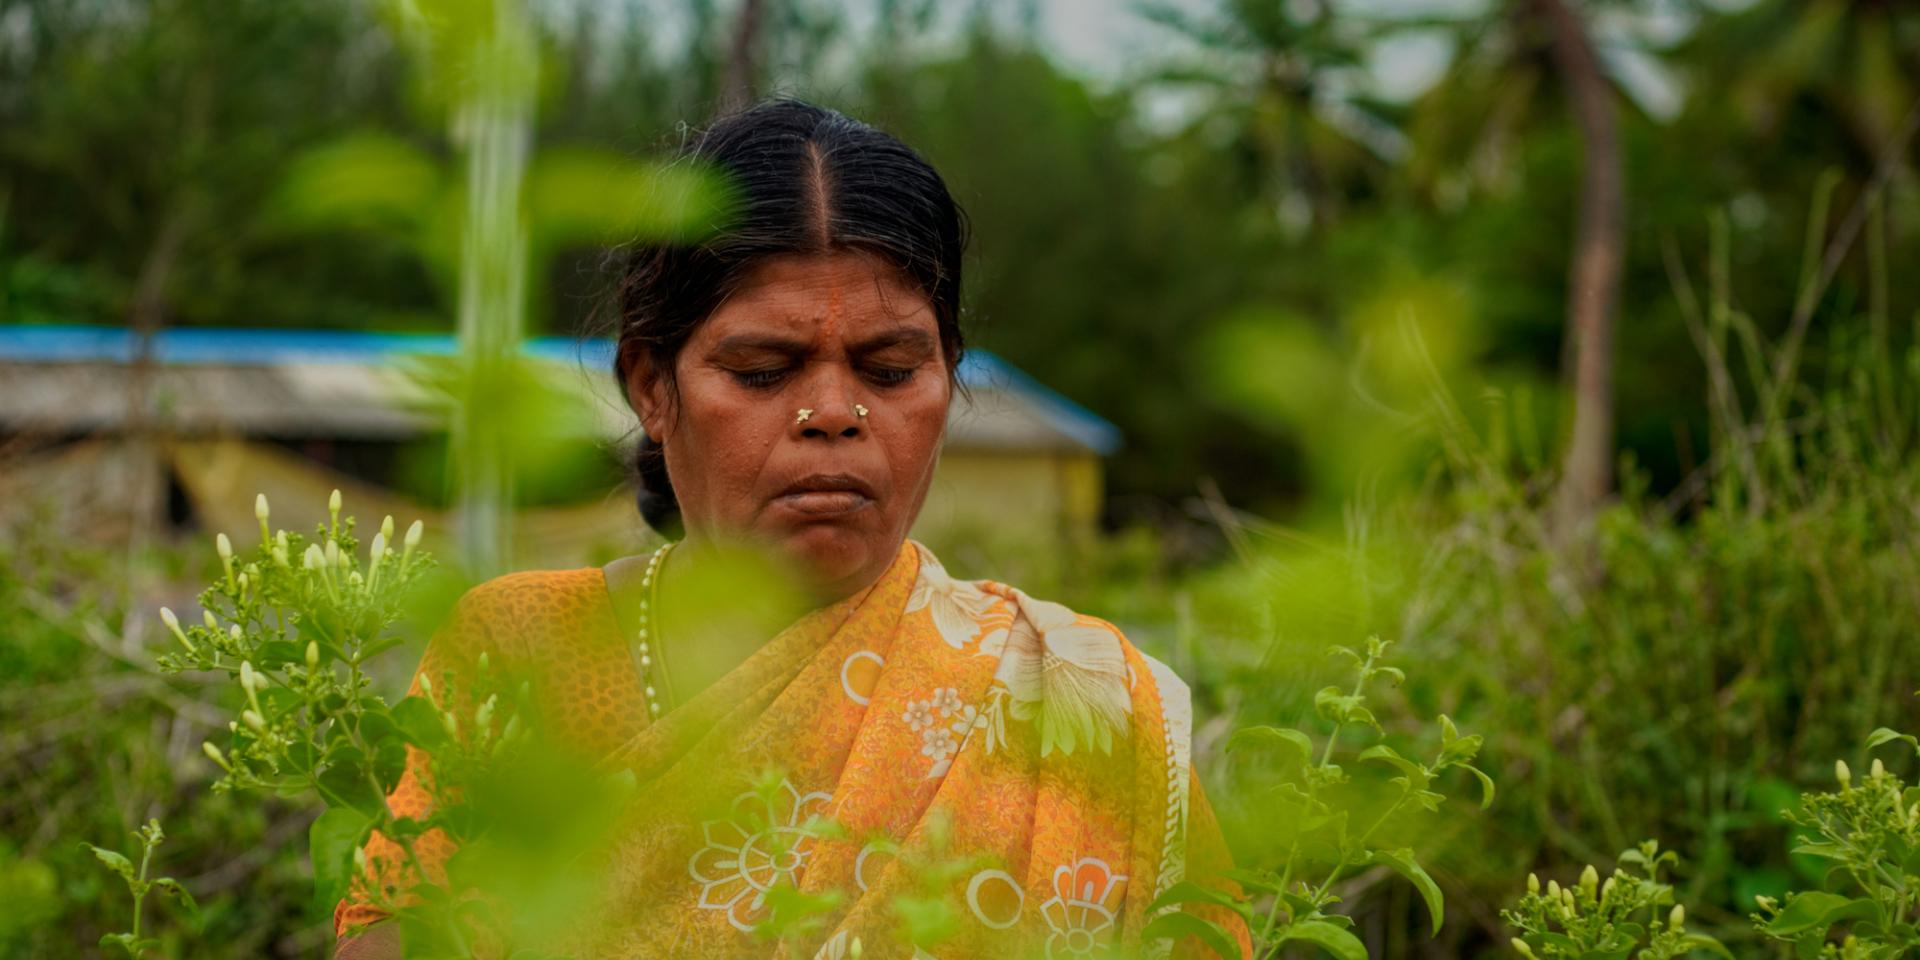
1078,673
535,605
535,593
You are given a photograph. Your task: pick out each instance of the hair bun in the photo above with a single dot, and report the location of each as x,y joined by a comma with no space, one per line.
658,505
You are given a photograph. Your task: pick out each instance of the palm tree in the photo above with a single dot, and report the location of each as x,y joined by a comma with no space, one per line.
1281,77
1462,133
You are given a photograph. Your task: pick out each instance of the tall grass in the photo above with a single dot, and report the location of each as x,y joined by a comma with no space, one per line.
1677,671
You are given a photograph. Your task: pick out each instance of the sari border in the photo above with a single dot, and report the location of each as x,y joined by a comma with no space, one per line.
1176,711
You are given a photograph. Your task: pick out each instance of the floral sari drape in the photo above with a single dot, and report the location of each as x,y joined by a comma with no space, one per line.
1019,766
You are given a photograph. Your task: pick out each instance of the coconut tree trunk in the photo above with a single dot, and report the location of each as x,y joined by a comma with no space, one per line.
1594,279
743,57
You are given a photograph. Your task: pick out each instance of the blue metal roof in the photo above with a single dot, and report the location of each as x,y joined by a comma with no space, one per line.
979,369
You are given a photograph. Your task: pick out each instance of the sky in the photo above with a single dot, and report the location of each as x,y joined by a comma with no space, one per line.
1109,42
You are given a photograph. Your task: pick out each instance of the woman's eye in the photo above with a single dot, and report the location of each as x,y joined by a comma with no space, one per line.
759,378
890,376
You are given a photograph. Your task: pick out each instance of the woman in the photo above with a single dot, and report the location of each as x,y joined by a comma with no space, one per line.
793,373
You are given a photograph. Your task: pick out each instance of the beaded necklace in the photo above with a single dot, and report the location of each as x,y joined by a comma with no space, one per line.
649,591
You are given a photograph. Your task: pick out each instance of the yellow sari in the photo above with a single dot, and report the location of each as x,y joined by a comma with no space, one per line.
973,746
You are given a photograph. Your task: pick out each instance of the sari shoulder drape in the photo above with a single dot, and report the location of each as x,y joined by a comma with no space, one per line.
959,768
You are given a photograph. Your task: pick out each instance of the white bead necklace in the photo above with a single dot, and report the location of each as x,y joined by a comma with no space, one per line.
648,591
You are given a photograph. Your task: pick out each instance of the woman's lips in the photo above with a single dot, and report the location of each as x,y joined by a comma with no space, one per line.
824,503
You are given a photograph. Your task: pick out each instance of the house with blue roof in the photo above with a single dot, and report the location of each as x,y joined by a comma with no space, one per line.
97,433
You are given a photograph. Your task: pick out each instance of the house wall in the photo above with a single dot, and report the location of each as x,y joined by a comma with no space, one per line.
1041,496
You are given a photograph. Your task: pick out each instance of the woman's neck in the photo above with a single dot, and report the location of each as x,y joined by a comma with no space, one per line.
716,606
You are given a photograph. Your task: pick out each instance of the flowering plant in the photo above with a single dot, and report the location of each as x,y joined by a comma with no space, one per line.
1869,833
1289,902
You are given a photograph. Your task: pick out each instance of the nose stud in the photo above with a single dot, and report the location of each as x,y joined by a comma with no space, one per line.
804,414
860,410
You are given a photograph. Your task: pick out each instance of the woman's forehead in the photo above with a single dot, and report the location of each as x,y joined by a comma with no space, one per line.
821,294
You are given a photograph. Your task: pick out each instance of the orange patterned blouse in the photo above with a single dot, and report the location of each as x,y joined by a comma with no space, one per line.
923,712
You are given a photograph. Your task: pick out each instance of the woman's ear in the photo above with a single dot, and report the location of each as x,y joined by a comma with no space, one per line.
649,396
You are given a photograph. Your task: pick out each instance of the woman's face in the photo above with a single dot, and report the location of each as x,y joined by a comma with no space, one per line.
835,492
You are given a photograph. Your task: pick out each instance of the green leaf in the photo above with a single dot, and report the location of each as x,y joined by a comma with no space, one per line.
1402,862
1486,785
1417,774
1700,941
1814,911
331,841
127,942
114,861
1338,706
1884,736
1187,891
1290,741
419,722
344,783
1173,926
1327,937
1260,881
172,888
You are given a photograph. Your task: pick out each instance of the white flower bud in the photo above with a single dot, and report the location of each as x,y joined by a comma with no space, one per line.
1553,889
246,675
173,627
1842,774
333,504
483,717
314,558
386,528
1606,889
243,582
206,616
213,753
332,556
254,720
1878,769
378,551
1589,879
354,579
313,655
233,633
1533,883
260,511
224,547
414,532
1677,918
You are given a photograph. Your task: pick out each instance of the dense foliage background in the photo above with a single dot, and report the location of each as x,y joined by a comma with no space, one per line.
1328,308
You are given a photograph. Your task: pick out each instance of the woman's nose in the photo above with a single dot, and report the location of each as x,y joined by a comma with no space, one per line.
835,417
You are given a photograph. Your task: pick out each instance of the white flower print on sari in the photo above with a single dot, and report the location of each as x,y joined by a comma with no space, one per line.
1080,916
766,842
943,721
957,606
1066,673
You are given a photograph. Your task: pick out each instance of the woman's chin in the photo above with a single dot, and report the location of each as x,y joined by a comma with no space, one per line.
833,556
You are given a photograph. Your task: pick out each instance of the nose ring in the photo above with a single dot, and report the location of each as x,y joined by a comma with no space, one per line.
860,410
803,415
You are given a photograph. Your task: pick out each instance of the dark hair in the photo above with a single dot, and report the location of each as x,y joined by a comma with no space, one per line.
801,179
